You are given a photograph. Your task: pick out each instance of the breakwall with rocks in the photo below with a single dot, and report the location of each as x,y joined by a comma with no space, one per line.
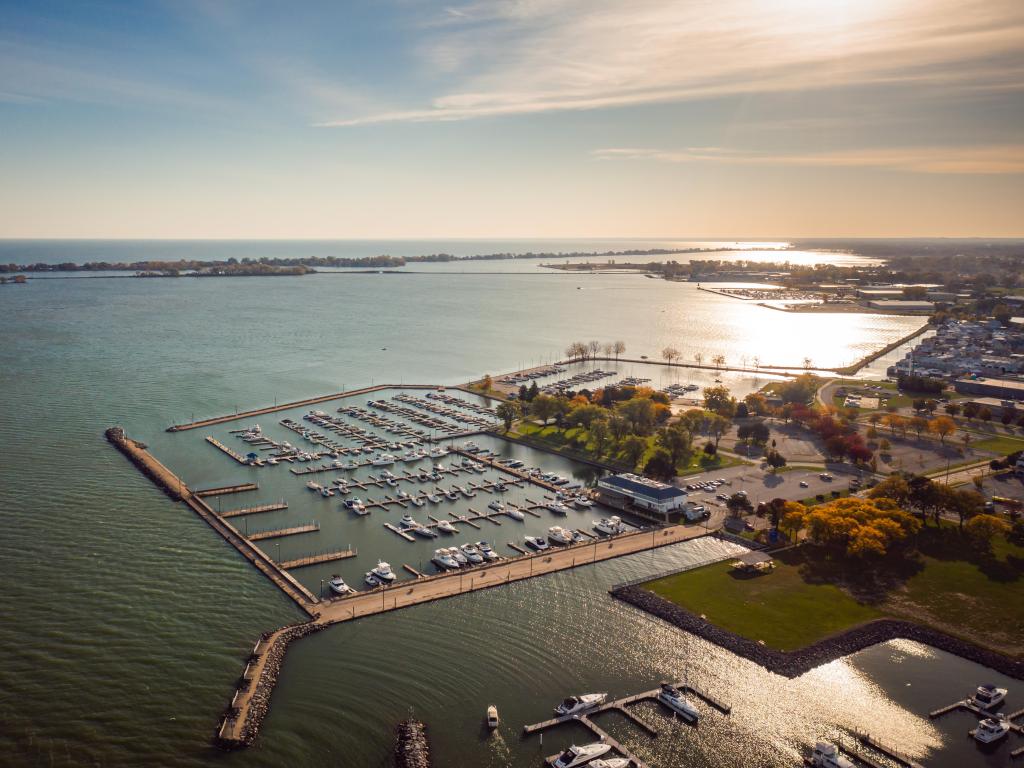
795,663
412,750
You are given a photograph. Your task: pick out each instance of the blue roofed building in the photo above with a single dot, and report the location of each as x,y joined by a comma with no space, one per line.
635,493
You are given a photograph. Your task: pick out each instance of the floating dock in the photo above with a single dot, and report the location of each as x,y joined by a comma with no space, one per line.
260,535
272,507
225,489
322,557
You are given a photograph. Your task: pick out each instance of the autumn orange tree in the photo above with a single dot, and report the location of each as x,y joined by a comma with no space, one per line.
862,528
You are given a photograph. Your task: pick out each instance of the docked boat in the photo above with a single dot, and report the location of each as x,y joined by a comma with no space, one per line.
496,506
609,526
582,502
559,535
472,554
992,729
383,572
434,498
576,755
538,543
417,501
487,551
826,755
446,527
577,536
988,696
576,705
558,508
674,699
371,579
314,486
515,513
469,494
443,559
438,453
609,762
339,587
326,492
452,495
492,717
459,555
384,460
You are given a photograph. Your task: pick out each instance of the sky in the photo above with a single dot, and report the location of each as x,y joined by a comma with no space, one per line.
515,118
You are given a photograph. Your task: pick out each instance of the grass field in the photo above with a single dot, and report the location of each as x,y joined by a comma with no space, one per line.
1002,445
947,586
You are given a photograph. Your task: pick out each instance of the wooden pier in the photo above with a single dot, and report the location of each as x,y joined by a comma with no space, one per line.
226,489
322,557
891,752
260,535
272,507
233,454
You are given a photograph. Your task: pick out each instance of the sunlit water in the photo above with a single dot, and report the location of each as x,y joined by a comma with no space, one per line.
126,618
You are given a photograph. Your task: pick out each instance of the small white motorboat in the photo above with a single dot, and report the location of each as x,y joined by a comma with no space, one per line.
558,508
496,506
383,572
826,755
339,587
988,696
575,705
514,513
487,551
576,755
459,555
445,527
417,501
992,729
384,460
433,498
559,535
674,699
537,542
582,502
492,717
609,762
472,554
443,559
452,495
609,526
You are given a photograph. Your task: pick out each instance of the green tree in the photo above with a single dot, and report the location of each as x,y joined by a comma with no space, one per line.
586,415
717,426
660,465
775,459
739,505
718,400
508,412
633,448
639,412
677,440
544,407
982,529
601,436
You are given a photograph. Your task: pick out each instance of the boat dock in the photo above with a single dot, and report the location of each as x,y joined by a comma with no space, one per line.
272,507
233,454
322,557
889,751
273,534
225,489
621,706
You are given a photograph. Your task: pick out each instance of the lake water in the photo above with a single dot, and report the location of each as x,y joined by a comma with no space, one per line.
126,618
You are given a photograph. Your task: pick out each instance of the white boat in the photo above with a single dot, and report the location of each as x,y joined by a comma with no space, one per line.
371,579
582,502
610,762
577,537
459,555
472,554
383,572
466,492
992,729
575,705
417,501
446,527
485,549
559,535
575,755
674,699
988,696
537,542
609,526
496,506
443,559
492,717
313,486
339,587
384,460
826,755
452,495
558,508
438,453
515,513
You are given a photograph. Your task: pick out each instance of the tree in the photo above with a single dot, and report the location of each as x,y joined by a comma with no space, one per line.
639,412
985,414
670,354
619,347
759,432
601,436
756,403
660,466
618,425
893,487
982,529
544,408
719,400
487,383
523,393
970,410
967,504
593,347
698,358
861,528
793,519
739,505
533,391
633,449
717,426
953,409
775,459
677,441
718,360
943,426
919,424
586,414
508,412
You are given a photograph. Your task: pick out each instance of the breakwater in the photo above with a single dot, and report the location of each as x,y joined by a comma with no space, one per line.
795,663
412,750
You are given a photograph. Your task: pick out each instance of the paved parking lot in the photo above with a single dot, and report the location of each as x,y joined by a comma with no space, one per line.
761,485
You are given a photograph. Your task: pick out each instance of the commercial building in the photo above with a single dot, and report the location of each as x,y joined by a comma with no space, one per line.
1004,389
629,491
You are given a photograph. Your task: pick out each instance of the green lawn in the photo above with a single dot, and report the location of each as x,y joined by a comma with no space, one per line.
948,586
779,608
1002,444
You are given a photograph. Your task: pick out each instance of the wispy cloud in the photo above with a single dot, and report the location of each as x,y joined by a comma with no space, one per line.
527,57
995,159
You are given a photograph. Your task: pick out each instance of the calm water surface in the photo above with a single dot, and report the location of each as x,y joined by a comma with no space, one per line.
125,618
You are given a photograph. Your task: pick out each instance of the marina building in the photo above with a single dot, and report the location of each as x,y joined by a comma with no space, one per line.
1004,389
629,491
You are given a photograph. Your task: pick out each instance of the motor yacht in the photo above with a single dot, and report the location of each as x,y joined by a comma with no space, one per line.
472,554
434,498
515,513
559,535
339,587
325,492
496,506
417,501
444,560
582,502
610,762
609,526
992,729
446,527
576,755
459,555
537,542
988,696
826,755
485,549
384,460
438,453
313,486
575,705
492,717
371,579
383,572
674,699
403,495
469,494
558,508
577,537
